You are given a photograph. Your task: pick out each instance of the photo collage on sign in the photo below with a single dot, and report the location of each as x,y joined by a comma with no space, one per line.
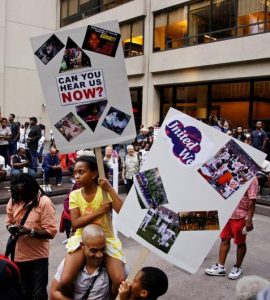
160,227
229,169
149,188
199,220
69,127
99,41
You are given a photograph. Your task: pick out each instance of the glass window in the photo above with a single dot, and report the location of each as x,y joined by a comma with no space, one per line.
231,102
167,100
251,15
160,32
223,19
132,38
75,10
73,7
177,28
199,23
64,6
137,38
261,104
192,100
136,99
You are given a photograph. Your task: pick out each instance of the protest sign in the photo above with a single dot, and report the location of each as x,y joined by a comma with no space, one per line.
181,200
84,82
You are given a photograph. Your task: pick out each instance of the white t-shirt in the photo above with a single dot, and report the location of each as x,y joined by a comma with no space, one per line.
4,132
99,291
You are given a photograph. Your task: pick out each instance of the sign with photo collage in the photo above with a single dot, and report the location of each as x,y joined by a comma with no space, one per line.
85,86
187,189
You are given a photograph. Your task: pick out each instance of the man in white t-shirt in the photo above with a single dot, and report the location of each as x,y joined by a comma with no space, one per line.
92,282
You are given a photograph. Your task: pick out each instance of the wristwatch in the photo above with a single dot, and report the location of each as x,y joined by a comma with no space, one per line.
32,232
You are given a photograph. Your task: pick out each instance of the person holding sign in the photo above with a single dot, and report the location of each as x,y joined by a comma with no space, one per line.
87,207
237,227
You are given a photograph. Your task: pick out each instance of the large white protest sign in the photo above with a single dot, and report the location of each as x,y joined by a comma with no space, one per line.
84,82
187,189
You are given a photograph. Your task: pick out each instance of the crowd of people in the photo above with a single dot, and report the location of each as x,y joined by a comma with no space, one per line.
94,266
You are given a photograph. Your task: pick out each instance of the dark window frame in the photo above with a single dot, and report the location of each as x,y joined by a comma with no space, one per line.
83,14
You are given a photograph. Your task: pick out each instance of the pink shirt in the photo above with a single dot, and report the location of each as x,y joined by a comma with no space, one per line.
241,210
41,217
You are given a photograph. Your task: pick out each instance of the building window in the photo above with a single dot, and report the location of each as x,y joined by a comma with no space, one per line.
170,29
240,103
209,21
251,17
199,23
132,38
136,100
75,10
261,104
231,101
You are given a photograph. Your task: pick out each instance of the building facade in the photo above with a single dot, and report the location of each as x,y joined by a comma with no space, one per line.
201,57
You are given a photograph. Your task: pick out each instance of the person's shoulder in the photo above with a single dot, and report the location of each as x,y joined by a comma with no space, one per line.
45,201
76,192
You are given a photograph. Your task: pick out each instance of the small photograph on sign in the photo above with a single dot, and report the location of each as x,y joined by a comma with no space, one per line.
91,113
199,220
49,49
149,188
229,169
101,41
160,227
116,120
74,57
69,127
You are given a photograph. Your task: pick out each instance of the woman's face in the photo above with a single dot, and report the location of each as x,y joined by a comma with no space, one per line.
239,130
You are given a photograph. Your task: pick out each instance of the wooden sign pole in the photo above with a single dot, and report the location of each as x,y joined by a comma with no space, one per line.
144,252
101,173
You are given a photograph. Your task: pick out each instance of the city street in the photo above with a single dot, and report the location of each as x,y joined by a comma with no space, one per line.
182,285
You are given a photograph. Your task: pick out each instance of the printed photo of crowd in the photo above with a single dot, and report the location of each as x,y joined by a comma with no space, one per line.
160,227
149,188
116,120
199,220
74,57
49,49
69,127
229,169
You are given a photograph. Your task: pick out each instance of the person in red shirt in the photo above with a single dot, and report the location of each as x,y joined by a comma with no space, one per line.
237,227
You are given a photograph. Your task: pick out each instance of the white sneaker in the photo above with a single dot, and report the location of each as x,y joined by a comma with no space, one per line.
235,273
216,270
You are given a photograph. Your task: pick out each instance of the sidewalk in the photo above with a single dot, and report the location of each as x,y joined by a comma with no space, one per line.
183,286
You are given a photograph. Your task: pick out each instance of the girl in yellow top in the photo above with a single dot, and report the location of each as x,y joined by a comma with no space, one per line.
87,207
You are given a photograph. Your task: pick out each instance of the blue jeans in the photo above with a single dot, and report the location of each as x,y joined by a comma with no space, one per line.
34,159
18,172
12,148
34,275
52,172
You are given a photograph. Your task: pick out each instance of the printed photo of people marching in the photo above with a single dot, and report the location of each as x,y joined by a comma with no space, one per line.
149,188
229,169
199,220
160,227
